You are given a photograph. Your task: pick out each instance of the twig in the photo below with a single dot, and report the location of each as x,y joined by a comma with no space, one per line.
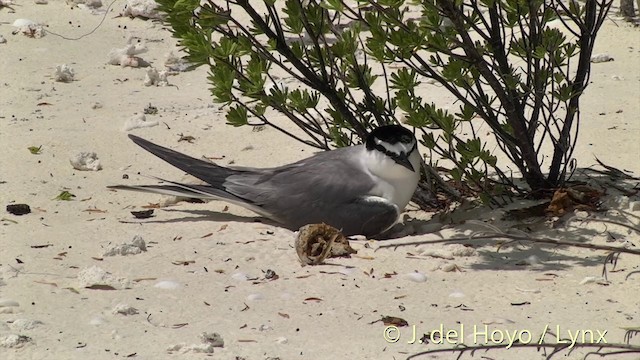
557,348
493,236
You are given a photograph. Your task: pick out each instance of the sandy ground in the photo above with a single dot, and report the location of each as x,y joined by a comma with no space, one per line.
205,267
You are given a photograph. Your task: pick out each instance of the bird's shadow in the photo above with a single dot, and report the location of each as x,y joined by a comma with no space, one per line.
210,215
501,253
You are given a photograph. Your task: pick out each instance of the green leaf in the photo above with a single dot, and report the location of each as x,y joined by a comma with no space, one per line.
485,198
428,141
222,78
64,196
404,79
237,116
467,113
293,20
335,5
302,100
35,150
456,174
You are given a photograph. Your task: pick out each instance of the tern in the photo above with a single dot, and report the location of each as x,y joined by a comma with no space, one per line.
360,189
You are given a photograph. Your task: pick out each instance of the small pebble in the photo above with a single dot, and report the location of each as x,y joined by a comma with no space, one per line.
167,285
599,58
255,297
25,324
144,214
416,277
18,209
124,309
213,339
97,321
240,276
8,303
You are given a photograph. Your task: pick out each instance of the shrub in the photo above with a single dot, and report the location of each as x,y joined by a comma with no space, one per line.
518,66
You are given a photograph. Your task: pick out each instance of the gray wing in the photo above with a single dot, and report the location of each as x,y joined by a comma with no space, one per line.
328,187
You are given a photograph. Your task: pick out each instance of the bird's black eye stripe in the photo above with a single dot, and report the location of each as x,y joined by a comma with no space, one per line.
393,155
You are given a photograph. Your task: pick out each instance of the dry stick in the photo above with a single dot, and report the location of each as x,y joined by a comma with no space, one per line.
557,348
491,236
614,223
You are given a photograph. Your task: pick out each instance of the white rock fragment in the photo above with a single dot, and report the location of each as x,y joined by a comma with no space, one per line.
8,306
175,347
200,349
457,294
599,58
167,285
41,2
175,63
124,309
2,40
97,321
8,303
138,122
448,267
146,9
449,252
95,275
13,341
213,339
498,321
594,279
282,340
255,297
347,270
28,28
85,161
92,4
64,73
19,325
135,247
22,22
156,78
209,342
415,276
240,276
127,56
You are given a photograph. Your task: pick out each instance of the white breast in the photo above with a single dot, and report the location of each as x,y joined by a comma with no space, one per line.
394,182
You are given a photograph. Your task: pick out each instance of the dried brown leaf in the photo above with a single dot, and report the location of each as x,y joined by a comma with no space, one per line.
183,262
286,316
100,287
315,299
395,321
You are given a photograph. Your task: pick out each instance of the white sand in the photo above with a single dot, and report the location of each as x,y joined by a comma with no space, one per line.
204,267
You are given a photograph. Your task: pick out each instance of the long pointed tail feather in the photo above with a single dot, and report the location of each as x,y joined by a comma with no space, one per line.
190,191
208,172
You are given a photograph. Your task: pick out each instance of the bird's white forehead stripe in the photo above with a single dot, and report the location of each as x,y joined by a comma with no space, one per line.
397,148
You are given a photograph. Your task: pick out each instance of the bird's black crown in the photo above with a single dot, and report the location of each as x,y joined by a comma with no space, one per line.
391,134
